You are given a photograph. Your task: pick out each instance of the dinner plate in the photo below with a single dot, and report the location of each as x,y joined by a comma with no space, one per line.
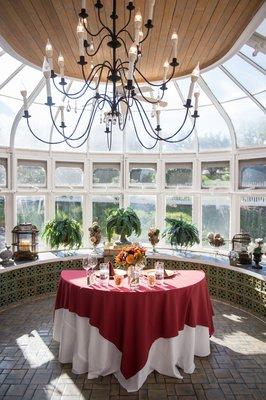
170,272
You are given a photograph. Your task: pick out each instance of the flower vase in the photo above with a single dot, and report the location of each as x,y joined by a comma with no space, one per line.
133,277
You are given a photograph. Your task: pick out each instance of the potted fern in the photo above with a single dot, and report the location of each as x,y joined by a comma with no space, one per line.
122,222
181,233
63,231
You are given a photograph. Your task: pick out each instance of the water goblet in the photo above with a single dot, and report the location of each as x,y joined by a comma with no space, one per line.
159,272
104,274
89,263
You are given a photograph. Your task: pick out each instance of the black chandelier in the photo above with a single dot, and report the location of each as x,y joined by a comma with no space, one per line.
122,76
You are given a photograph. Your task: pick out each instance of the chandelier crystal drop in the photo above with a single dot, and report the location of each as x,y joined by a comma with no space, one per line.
113,87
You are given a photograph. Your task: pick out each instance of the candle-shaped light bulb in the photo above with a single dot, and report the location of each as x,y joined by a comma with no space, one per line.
81,36
49,49
133,53
140,36
196,72
194,78
138,20
61,63
158,112
150,9
197,95
174,39
24,95
47,74
61,108
165,70
83,4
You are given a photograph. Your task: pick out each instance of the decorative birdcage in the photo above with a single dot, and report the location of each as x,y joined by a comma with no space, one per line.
25,242
240,244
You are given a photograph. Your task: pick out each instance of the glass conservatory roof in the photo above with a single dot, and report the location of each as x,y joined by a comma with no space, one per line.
232,109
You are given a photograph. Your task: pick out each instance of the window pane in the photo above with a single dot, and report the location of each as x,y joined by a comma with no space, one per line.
252,173
8,65
30,209
259,59
3,172
142,174
30,173
71,206
106,175
132,142
178,175
253,216
8,110
215,174
249,122
215,217
145,207
28,77
101,208
2,222
68,176
179,207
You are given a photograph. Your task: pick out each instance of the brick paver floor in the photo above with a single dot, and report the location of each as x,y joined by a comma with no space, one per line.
29,368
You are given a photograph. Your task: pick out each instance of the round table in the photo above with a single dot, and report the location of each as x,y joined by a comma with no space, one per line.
105,330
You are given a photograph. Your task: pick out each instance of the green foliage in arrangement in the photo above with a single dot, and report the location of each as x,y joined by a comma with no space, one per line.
180,232
123,222
63,231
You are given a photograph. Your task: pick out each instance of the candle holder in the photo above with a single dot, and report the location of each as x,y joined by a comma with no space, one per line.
25,242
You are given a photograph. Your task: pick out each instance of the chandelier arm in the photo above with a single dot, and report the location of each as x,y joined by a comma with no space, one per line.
125,46
42,140
136,133
105,64
102,66
159,137
93,34
101,22
145,98
155,84
146,35
96,51
128,22
184,138
88,129
129,34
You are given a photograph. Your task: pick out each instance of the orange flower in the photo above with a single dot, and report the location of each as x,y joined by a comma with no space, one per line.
130,259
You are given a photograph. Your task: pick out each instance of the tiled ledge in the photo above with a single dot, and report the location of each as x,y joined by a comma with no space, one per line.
162,254
238,286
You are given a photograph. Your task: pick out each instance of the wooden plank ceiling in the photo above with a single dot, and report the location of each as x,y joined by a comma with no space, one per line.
207,29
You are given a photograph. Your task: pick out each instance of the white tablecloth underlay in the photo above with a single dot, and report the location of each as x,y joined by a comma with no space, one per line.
82,345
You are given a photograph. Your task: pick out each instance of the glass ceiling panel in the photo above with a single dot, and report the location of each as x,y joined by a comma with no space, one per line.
259,59
222,86
249,122
262,98
40,125
262,28
8,110
8,65
252,79
28,77
213,132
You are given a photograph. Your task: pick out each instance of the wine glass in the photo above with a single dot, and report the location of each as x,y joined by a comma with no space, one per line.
89,263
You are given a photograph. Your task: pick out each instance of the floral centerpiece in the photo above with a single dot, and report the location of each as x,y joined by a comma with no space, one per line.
153,235
131,258
258,249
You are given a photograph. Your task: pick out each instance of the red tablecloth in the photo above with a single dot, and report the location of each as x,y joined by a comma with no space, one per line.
132,321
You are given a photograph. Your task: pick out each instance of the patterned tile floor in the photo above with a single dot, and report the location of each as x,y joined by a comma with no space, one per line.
29,368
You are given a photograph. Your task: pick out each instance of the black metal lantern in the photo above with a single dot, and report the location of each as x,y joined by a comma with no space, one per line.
25,242
240,244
